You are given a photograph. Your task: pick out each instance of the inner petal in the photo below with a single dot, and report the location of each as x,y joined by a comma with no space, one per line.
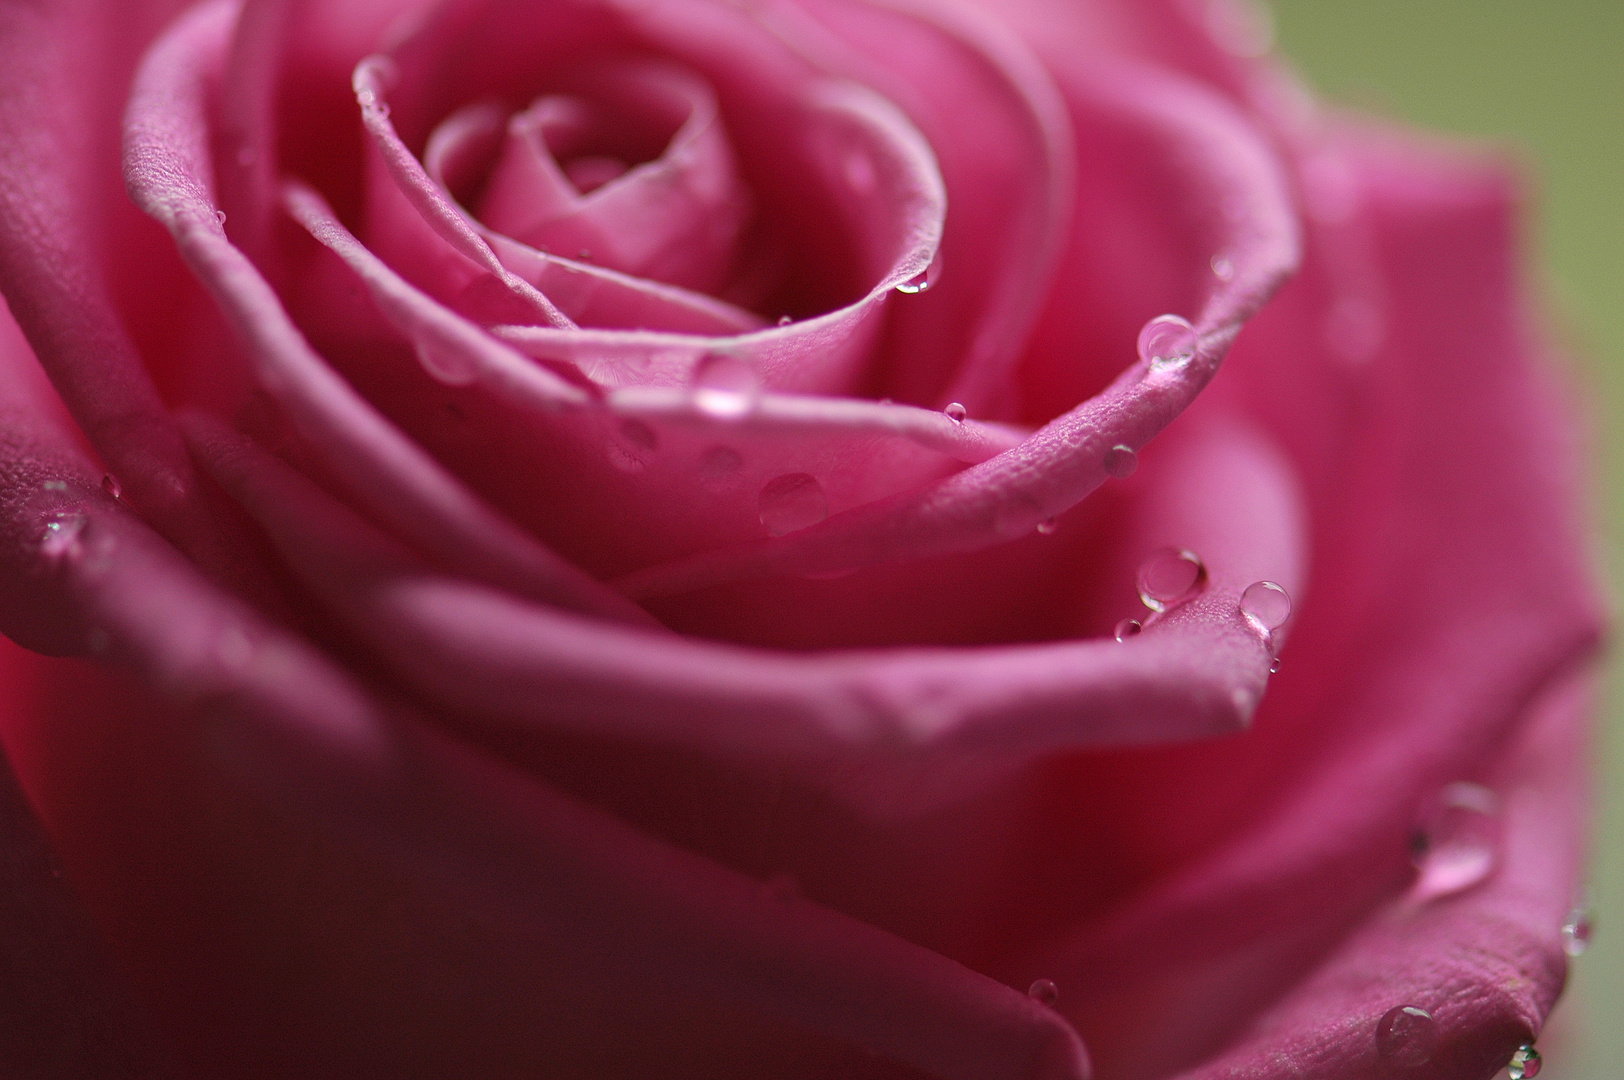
628,167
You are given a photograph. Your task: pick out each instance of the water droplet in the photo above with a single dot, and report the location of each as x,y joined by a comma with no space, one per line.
62,536
55,485
1576,932
448,366
720,466
1222,268
792,502
1168,576
1274,665
956,412
1456,844
1128,628
1048,526
925,279
1407,1036
784,320
725,386
1266,605
111,485
584,255
1121,461
220,216
1525,1064
631,450
1044,992
1167,342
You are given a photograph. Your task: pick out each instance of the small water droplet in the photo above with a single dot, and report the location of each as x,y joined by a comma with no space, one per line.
725,386
1128,628
1576,932
1044,992
448,366
220,216
792,502
1407,1036
1048,526
62,535
1222,268
784,320
1525,1064
1456,843
1121,461
720,466
1266,605
925,279
1168,576
1167,342
1274,665
111,485
956,412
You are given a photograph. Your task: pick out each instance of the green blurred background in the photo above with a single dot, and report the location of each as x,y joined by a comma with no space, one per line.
1545,78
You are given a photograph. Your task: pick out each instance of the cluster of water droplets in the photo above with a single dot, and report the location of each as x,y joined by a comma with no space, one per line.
1167,343
1456,845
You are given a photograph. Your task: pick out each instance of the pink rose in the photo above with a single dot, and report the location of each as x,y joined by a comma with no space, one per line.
602,538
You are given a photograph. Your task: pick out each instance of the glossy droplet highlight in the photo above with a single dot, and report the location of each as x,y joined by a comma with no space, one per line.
62,536
1266,605
1525,1064
1406,1036
956,412
725,386
1128,628
784,320
1048,526
1457,841
1222,268
1169,576
925,279
1576,932
1121,461
111,485
1044,992
1167,342
447,365
792,502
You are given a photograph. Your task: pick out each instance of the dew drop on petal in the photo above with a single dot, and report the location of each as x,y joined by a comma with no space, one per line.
1121,461
1266,605
784,320
956,412
111,485
1128,628
1222,268
1407,1036
1044,992
725,387
1576,932
447,365
1525,1064
1274,665
1166,342
925,279
220,216
62,536
1048,526
792,502
1457,841
1168,576
55,485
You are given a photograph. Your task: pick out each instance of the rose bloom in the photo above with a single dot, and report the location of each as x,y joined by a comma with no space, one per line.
683,538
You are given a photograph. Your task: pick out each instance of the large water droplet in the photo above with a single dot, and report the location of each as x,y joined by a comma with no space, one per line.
1457,842
1121,461
1044,992
1576,932
1407,1036
956,412
725,386
1266,605
1168,576
62,534
1525,1064
1128,628
1166,342
111,485
792,502
925,279
449,366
